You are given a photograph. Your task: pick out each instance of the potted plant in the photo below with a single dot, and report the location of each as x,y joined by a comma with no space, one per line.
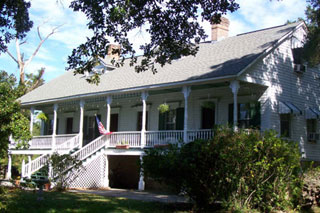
47,186
163,108
123,145
17,181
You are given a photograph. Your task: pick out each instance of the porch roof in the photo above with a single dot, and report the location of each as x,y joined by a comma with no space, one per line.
219,60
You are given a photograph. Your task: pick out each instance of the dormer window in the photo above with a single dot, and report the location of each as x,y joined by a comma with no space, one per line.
298,65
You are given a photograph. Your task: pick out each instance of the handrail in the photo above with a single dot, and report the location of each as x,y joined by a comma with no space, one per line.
69,144
42,160
90,148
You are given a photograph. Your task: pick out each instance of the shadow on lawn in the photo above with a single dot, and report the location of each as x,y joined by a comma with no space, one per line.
25,201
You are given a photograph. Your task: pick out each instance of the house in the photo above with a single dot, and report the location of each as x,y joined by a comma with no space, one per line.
255,79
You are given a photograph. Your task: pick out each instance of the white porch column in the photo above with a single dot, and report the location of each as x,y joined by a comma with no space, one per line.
234,85
9,167
144,96
81,122
54,132
31,119
29,169
106,172
141,179
109,101
186,92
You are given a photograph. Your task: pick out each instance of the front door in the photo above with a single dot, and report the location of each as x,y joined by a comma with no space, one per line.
90,131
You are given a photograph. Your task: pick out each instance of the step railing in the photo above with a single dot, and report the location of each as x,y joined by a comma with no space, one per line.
60,139
132,138
154,138
68,145
41,161
92,147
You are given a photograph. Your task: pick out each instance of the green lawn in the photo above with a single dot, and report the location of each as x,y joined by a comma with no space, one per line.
25,201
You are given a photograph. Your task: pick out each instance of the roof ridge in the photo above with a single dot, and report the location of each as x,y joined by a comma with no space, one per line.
268,28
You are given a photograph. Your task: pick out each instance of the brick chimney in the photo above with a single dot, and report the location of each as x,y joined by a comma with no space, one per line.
220,31
113,51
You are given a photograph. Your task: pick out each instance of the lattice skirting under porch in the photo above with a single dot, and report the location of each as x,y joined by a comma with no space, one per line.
92,175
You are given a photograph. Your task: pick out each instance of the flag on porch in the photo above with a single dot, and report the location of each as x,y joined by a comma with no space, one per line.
101,128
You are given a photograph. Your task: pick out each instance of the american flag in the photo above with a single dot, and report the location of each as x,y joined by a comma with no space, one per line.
101,128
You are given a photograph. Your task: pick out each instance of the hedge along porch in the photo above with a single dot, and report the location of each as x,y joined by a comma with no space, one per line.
134,118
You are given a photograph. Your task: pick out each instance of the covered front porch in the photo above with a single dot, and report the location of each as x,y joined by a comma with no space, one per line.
135,118
136,122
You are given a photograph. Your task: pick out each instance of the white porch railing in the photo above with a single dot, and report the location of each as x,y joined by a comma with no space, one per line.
132,138
199,134
71,143
163,137
41,161
41,142
60,139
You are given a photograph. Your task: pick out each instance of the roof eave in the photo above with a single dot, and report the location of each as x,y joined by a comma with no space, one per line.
133,89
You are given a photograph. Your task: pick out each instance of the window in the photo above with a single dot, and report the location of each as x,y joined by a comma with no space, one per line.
312,130
172,120
311,125
285,123
249,115
297,60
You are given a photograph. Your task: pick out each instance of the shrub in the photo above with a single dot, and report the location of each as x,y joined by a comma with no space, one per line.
311,187
242,169
65,168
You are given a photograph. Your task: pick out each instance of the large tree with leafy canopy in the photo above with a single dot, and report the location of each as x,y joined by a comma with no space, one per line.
14,21
172,25
12,120
312,46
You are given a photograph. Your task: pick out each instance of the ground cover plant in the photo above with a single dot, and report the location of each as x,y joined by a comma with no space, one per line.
243,170
17,200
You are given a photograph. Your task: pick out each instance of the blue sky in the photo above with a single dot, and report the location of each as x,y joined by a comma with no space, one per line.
252,15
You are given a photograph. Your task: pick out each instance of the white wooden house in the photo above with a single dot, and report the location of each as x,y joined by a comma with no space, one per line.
255,79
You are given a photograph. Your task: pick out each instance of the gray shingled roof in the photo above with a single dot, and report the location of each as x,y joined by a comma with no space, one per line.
220,59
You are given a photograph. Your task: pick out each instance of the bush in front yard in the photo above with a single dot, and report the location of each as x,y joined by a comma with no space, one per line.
311,187
244,170
65,169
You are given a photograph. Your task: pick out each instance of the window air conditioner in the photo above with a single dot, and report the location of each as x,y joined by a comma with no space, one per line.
312,136
299,68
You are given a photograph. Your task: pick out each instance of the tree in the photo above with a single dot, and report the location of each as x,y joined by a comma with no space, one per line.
34,80
312,45
20,58
14,21
12,120
172,26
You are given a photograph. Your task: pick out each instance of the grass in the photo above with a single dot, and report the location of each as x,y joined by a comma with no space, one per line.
16,200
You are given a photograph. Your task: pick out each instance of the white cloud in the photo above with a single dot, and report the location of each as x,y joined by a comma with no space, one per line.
259,14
